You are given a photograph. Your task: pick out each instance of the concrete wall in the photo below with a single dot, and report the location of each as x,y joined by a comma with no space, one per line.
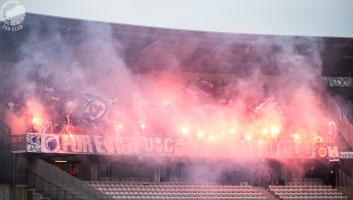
4,192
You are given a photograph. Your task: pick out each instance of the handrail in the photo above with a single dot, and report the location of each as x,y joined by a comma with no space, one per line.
66,181
345,183
345,174
51,190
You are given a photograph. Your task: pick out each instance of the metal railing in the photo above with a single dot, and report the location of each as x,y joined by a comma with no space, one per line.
49,189
345,183
49,179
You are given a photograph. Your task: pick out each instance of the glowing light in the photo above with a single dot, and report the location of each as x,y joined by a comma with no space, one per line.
260,142
184,130
232,131
118,127
200,134
264,131
275,130
36,120
211,137
142,125
165,103
296,136
60,161
247,137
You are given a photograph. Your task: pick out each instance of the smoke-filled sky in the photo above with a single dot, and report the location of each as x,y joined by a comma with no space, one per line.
300,17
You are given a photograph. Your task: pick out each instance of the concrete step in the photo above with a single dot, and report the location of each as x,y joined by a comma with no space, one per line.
266,193
35,195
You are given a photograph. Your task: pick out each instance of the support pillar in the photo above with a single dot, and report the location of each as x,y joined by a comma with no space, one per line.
285,174
94,169
157,174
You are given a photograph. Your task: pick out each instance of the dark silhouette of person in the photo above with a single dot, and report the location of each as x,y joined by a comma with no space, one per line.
332,177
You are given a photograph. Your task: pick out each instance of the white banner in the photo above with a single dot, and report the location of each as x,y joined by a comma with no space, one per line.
165,146
104,145
50,143
346,155
33,142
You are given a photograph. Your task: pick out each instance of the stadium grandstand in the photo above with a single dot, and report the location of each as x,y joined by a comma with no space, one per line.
103,111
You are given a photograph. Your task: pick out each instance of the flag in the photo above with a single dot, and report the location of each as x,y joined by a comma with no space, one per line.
96,107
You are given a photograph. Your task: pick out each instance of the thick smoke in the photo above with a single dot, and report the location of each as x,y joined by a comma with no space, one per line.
276,96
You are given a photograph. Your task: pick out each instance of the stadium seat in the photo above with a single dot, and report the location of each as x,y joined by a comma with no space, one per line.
306,189
143,190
